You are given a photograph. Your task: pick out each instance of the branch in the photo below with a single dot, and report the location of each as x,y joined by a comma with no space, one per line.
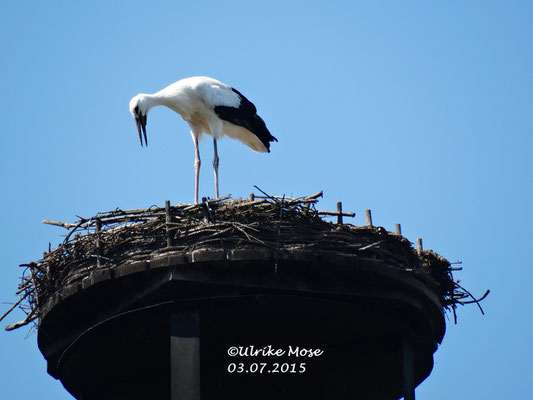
474,300
57,223
26,321
336,213
12,307
371,245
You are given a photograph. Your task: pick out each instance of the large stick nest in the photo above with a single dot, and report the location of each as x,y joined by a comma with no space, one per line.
111,238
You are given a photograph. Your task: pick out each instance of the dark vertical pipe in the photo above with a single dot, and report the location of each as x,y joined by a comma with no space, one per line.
408,371
185,356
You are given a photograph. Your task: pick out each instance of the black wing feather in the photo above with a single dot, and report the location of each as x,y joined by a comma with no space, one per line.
246,116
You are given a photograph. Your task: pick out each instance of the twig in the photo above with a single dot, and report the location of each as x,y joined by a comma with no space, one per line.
267,195
29,318
336,213
251,203
12,307
82,221
57,223
371,245
278,235
474,300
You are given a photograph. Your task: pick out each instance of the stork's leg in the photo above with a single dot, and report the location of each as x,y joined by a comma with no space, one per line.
197,163
215,166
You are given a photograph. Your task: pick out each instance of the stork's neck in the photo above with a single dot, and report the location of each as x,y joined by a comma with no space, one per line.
149,101
169,97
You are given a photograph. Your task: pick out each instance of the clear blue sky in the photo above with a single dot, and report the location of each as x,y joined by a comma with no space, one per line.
419,111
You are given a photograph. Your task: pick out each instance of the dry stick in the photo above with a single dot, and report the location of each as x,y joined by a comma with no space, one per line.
32,277
152,210
398,229
82,221
267,195
168,220
474,300
124,216
24,285
246,226
314,196
419,247
118,211
114,219
291,200
296,202
32,265
368,214
57,223
149,212
12,307
336,213
277,236
339,210
305,199
219,199
249,237
192,207
98,242
250,203
205,209
123,219
30,317
199,205
371,245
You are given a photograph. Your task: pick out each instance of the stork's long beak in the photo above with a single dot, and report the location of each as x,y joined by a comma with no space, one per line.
141,126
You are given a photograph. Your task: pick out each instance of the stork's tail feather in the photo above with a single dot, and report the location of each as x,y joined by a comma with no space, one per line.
246,116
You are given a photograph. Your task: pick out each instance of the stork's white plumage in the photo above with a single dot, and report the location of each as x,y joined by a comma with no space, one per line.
209,106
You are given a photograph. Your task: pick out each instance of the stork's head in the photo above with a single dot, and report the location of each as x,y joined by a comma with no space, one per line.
139,106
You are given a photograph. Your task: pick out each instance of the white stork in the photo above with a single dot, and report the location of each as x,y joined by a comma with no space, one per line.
209,106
